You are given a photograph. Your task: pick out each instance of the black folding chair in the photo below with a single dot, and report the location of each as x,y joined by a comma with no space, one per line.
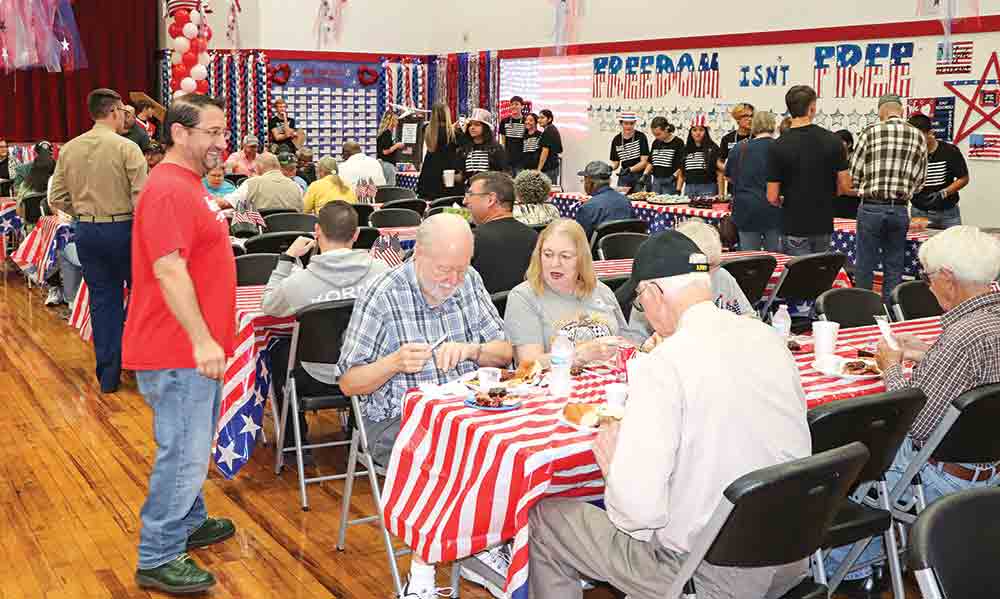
500,301
273,243
806,277
364,213
367,236
914,299
238,250
851,307
394,217
389,193
289,222
236,180
418,206
966,434
255,269
752,274
432,211
447,202
624,299
540,227
32,204
955,546
775,516
617,246
880,422
625,225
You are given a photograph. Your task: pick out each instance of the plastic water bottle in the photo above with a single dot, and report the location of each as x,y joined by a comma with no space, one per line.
562,356
782,321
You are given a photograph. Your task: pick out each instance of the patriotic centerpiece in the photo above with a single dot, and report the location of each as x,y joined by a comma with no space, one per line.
190,35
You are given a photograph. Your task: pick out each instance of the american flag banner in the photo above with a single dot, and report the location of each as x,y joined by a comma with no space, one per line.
960,61
984,146
11,227
240,427
38,252
648,86
864,81
845,238
388,249
248,216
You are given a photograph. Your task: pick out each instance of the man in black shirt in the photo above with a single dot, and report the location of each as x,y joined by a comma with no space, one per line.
281,128
806,171
503,244
630,150
512,133
742,113
549,146
947,173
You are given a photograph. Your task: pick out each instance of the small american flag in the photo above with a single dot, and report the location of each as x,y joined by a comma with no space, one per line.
959,62
388,249
984,146
249,216
366,191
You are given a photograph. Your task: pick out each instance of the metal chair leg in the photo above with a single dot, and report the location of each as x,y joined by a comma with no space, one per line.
294,400
819,568
279,428
890,548
456,578
377,496
345,501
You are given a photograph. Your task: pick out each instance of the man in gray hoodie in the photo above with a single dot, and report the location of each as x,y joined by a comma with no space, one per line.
337,272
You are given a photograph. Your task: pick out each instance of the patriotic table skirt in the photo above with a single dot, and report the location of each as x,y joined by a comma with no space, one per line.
38,252
659,218
845,240
11,227
408,179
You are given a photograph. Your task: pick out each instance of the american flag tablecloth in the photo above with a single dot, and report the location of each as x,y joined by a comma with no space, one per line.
11,227
658,217
408,179
845,239
38,252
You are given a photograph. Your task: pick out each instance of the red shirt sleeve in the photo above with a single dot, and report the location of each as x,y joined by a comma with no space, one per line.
168,225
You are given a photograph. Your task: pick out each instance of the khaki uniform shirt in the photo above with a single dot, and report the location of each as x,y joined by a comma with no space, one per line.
274,190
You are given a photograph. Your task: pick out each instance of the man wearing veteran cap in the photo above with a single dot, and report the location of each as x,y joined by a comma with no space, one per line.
686,435
605,203
630,150
889,165
244,162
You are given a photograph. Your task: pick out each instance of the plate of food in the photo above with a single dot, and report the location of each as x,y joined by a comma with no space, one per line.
528,374
587,417
851,369
497,400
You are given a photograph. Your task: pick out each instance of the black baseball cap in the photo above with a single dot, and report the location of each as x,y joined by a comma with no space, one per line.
665,254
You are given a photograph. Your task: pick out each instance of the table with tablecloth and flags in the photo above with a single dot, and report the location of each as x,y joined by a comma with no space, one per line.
11,228
39,251
408,179
462,479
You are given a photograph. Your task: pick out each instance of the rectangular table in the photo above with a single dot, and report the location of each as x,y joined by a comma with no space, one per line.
658,217
461,480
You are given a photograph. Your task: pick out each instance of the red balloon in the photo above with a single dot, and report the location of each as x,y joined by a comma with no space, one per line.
203,86
180,71
189,59
199,45
206,32
176,30
182,17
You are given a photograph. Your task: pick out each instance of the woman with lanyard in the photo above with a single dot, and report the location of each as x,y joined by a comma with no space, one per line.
549,146
667,158
481,152
630,150
386,147
700,160
529,147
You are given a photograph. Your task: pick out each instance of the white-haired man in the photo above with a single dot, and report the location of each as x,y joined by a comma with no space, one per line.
686,435
388,345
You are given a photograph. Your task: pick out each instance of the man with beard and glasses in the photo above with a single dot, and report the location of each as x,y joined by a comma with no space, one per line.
97,181
180,331
388,345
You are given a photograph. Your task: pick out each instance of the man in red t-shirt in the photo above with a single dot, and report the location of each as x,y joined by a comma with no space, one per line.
178,335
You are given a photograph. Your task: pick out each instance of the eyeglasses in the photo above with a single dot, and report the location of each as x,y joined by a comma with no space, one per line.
470,194
925,276
223,133
639,291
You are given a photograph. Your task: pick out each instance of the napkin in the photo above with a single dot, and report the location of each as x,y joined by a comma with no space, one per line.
448,389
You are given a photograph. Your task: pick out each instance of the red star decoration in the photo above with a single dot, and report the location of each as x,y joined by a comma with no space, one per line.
972,105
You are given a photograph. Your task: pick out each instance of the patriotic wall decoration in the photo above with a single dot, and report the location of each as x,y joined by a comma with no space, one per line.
648,76
957,62
984,146
863,70
987,90
190,35
941,112
473,81
240,79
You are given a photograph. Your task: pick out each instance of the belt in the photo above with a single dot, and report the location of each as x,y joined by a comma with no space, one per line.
111,218
964,473
886,201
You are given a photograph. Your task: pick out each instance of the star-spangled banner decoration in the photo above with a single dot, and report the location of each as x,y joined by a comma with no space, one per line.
239,433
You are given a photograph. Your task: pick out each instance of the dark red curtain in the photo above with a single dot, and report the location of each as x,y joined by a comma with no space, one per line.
120,39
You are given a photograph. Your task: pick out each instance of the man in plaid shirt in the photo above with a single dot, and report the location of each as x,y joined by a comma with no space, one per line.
889,166
959,265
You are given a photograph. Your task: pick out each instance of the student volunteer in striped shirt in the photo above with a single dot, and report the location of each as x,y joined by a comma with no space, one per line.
529,147
947,173
481,152
700,160
512,131
630,151
667,158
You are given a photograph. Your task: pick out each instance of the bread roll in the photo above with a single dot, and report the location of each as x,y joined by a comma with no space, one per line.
581,414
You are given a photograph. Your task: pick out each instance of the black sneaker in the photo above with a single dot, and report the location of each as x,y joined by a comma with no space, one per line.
177,577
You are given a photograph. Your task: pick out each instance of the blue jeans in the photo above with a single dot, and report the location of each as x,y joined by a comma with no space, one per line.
693,190
936,483
665,185
629,179
70,272
553,175
185,413
881,233
803,245
940,219
389,170
769,241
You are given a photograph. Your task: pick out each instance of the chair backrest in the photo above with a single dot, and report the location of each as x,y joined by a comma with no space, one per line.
434,210
620,245
255,269
851,307
266,212
625,225
614,283
448,202
418,206
913,299
500,301
238,250
320,331
273,243
806,277
367,236
364,213
878,421
31,203
752,274
973,438
394,217
389,193
624,300
540,227
290,221
958,537
236,179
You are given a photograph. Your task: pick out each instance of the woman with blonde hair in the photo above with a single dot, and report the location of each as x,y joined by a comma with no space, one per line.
386,147
441,148
561,294
327,188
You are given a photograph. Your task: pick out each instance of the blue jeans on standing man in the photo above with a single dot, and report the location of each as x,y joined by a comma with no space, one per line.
665,185
769,241
881,234
185,413
939,219
803,245
105,251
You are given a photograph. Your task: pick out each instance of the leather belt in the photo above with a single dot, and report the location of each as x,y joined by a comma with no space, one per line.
886,202
964,473
111,218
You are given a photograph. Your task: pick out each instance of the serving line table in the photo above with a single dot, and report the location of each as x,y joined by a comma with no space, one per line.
408,179
461,480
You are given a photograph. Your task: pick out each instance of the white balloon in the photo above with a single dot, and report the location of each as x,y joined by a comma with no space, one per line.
199,72
204,59
195,17
176,57
179,93
182,44
188,84
190,31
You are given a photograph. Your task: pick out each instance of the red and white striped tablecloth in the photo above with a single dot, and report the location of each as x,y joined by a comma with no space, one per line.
403,233
716,212
34,251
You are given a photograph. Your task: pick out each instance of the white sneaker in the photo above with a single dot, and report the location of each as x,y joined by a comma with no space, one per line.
496,559
425,593
55,297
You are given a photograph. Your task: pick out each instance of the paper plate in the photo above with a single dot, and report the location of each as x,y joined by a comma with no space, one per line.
471,403
838,373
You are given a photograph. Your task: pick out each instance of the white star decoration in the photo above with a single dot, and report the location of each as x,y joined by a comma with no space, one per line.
249,426
65,45
4,54
227,455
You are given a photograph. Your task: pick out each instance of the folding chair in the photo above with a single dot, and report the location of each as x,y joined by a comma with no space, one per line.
500,301
913,299
266,212
625,225
432,211
880,422
364,213
617,246
367,236
32,204
273,243
238,250
394,217
752,274
418,206
291,222
774,516
255,269
447,202
806,277
940,543
851,307
388,193
236,180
